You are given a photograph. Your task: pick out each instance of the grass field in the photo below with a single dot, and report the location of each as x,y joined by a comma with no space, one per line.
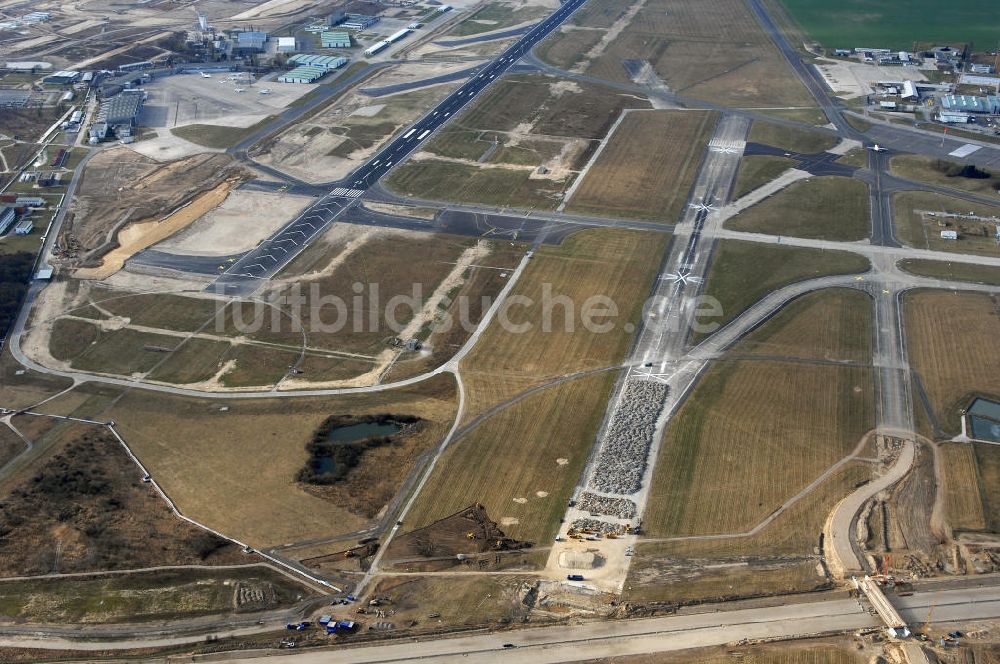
790,138
808,115
833,324
758,170
979,274
535,121
775,560
10,445
494,17
915,230
951,340
921,169
142,596
618,264
894,24
988,467
217,137
647,167
432,179
856,157
540,443
265,341
726,579
161,310
708,50
749,417
382,267
243,483
546,106
801,652
123,351
20,390
743,272
473,600
821,208
523,463
963,501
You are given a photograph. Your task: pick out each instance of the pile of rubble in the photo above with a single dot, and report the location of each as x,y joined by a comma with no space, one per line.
623,508
596,526
629,435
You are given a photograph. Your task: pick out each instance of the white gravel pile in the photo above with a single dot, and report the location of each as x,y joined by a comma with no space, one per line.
628,437
623,508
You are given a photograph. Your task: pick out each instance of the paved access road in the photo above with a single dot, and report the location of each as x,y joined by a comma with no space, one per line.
273,254
593,640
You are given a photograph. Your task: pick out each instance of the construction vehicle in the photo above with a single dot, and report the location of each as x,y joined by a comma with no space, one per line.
926,629
470,535
612,536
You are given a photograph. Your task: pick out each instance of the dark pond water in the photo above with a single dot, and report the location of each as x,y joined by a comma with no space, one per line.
354,432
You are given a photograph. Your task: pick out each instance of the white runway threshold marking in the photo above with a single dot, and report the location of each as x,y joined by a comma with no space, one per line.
964,151
727,146
350,193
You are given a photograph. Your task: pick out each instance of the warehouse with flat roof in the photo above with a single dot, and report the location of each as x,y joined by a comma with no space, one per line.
7,217
971,104
335,39
359,21
327,62
304,74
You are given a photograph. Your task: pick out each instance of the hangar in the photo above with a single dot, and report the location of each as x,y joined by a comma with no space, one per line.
304,74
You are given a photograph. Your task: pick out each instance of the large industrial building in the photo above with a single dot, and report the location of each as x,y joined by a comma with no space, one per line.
7,217
303,75
286,45
971,104
335,39
321,61
24,227
118,115
358,22
64,77
953,117
387,42
250,41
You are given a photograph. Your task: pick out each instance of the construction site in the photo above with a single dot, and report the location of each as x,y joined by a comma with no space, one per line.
578,330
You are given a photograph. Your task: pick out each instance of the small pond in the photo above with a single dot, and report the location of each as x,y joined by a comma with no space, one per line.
362,431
